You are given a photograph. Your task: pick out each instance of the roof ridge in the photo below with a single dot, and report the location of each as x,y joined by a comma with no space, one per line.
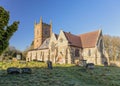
90,32
71,33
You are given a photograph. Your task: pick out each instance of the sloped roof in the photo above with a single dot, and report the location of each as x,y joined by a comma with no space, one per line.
45,44
86,40
89,39
73,39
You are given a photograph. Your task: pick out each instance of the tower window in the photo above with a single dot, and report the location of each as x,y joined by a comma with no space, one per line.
46,32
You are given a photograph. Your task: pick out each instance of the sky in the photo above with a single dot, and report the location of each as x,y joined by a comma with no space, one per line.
75,16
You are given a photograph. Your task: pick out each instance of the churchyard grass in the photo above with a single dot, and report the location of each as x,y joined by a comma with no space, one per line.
60,75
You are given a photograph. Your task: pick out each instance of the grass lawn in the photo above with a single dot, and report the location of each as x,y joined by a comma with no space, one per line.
60,75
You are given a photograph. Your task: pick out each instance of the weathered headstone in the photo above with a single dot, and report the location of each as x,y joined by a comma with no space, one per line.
13,70
40,61
83,63
105,63
49,64
90,66
18,56
26,70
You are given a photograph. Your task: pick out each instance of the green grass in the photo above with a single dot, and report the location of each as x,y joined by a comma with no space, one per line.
60,75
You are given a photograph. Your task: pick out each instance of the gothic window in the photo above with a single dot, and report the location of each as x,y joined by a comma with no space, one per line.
36,56
40,55
31,56
89,52
46,32
77,53
101,46
62,51
52,46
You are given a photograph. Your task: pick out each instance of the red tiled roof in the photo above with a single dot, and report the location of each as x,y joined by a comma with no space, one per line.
89,39
86,40
73,39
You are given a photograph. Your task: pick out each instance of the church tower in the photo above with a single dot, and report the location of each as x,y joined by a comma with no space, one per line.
42,31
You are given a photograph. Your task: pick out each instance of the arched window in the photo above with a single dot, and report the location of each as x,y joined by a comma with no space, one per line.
36,56
101,46
31,56
89,52
77,53
52,46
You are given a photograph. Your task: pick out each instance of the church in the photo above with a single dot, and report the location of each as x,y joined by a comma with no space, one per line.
65,47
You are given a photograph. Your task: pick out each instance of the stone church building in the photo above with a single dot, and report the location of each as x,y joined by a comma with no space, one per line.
65,47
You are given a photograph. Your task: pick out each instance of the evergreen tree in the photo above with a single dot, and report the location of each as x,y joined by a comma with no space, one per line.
6,31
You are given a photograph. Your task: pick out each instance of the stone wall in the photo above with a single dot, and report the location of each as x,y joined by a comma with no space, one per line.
40,55
115,63
89,54
62,45
75,58
53,48
93,55
31,56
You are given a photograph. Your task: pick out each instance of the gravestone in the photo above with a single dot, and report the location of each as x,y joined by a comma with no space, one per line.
18,56
83,63
13,70
49,64
106,64
26,70
90,66
40,61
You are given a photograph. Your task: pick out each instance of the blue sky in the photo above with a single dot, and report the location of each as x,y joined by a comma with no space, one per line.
75,16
